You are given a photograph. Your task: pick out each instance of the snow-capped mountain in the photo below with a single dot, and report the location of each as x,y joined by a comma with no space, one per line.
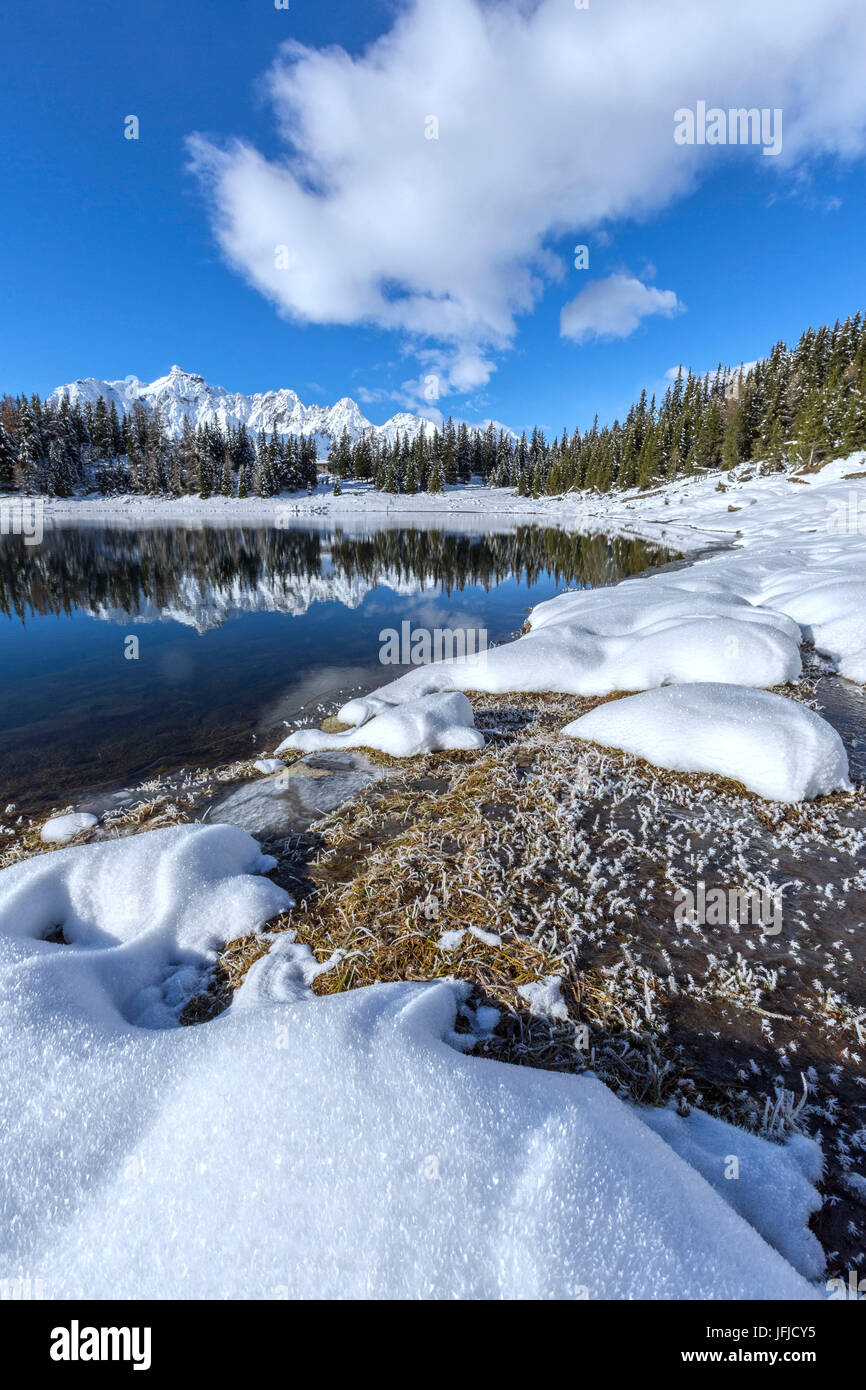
184,395
207,606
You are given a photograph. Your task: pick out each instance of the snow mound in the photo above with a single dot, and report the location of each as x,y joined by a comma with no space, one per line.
774,746
364,1154
832,614
636,635
635,605
144,916
440,721
772,1188
59,829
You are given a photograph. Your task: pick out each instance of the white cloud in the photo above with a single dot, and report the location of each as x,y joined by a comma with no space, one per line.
614,307
551,120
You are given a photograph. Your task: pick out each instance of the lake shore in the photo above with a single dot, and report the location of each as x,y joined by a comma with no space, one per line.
463,508
542,874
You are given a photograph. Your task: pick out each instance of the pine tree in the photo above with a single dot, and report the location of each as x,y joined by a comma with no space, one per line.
101,435
175,485
8,456
733,443
390,483
202,469
435,482
27,464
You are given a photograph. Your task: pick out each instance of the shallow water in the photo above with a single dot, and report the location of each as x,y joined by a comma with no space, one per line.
239,632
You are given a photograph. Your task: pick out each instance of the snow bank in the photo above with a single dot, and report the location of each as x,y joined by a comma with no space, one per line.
772,1188
794,572
424,725
800,546
145,915
59,829
301,1147
774,746
633,636
635,605
831,613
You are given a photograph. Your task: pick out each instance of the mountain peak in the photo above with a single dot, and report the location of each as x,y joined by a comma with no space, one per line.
278,411
187,376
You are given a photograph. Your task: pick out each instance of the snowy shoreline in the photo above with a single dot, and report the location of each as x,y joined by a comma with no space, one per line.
550,1178
687,515
737,619
466,508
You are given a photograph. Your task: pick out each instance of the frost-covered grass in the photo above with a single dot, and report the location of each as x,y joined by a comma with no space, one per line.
543,860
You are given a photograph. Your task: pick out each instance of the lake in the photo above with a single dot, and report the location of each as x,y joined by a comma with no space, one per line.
128,652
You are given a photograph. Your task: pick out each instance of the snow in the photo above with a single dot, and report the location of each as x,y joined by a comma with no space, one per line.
772,1188
544,998
464,508
268,766
425,725
146,914
450,940
301,1147
831,613
569,657
58,829
776,747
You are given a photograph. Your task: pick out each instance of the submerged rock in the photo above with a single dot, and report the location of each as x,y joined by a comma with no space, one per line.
290,801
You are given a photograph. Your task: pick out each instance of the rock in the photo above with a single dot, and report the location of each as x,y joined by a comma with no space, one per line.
289,802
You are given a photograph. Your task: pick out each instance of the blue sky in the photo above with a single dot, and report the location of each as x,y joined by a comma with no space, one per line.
111,264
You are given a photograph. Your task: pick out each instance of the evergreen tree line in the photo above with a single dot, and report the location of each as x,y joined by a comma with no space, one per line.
800,406
59,450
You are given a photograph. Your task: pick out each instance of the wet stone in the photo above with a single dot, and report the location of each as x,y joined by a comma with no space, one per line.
292,799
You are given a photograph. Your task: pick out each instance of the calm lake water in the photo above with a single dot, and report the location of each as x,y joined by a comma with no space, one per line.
240,631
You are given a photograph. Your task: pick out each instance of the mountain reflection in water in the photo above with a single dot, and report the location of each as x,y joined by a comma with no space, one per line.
240,630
